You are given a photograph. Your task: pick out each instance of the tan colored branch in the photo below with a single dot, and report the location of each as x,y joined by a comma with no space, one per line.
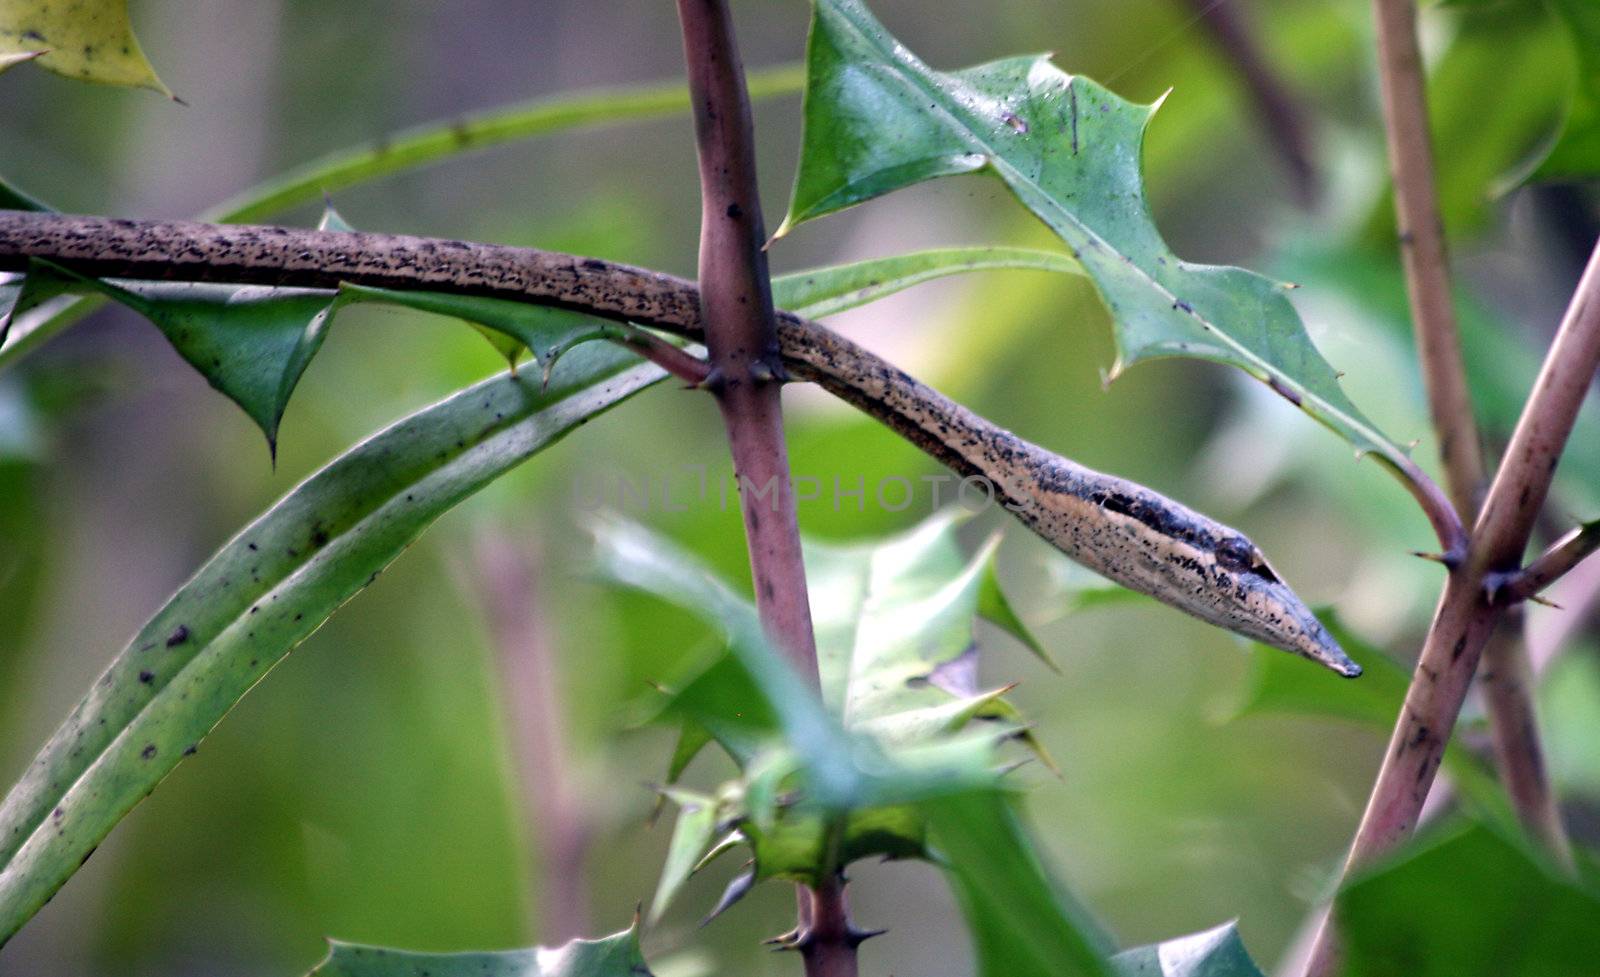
1466,617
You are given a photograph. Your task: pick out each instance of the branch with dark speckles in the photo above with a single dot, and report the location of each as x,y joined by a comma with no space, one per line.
1467,616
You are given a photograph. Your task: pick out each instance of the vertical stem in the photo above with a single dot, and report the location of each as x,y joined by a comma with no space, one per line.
505,576
1518,755
1507,680
740,328
1422,250
1466,617
746,376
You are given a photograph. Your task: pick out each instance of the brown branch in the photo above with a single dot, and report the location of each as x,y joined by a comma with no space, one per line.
1551,565
1283,116
1519,756
1507,681
1422,250
1466,617
741,336
687,367
740,326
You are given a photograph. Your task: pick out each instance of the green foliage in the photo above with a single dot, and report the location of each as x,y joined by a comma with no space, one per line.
1372,703
1575,153
1467,903
88,39
617,955
438,141
1214,953
251,343
1021,922
262,594
879,119
895,648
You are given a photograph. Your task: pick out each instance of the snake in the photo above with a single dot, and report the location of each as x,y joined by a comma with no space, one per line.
1126,532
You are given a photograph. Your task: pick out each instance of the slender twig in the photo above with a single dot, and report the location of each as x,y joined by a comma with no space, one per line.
1519,755
1551,565
685,366
1283,116
741,336
1507,681
505,577
1422,250
1466,617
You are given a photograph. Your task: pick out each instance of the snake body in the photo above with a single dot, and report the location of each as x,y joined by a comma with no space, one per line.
1119,529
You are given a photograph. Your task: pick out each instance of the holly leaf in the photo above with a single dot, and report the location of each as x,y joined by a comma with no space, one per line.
894,621
618,955
251,343
87,39
878,119
1214,953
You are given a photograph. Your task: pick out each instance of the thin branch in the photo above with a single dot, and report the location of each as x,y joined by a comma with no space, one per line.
1282,114
1422,250
1551,565
741,331
687,367
741,336
1466,617
1519,756
505,577
1507,681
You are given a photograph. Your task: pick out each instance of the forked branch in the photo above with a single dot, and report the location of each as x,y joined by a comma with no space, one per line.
1466,617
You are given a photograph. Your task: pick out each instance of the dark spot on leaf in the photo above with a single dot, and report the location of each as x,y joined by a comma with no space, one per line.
149,751
179,635
147,677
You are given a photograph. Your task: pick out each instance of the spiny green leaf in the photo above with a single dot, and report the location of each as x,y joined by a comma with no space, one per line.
617,955
632,556
1214,953
548,332
894,625
87,39
251,343
262,594
878,119
691,837
1467,902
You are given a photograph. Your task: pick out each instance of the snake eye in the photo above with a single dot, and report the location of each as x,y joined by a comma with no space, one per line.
1241,556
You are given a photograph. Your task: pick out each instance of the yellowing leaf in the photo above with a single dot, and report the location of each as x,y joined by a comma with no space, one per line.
87,39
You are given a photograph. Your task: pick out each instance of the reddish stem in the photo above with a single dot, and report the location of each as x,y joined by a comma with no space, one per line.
741,336
1466,616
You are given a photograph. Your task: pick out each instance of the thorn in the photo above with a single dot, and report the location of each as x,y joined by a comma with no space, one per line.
791,940
1448,560
856,937
1545,602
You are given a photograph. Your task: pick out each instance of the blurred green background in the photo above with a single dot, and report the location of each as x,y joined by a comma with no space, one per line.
404,778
